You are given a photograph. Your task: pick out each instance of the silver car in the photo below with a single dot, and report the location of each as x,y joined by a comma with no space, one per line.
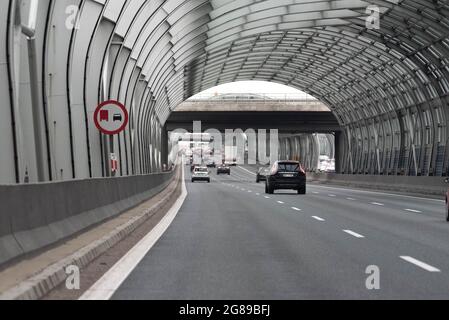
201,174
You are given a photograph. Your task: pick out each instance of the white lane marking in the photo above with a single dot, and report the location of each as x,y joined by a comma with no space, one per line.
377,204
332,195
377,192
249,191
296,209
354,234
243,189
254,174
267,197
350,199
280,202
316,192
318,218
257,194
411,210
420,264
109,283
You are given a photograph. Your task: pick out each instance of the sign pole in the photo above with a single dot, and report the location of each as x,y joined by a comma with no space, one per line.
112,152
107,166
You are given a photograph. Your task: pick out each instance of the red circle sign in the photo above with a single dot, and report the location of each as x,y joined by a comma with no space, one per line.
111,117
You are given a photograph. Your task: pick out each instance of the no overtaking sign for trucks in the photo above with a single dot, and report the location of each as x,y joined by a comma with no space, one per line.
111,117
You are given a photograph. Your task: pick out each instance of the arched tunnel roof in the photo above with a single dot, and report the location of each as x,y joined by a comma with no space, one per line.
321,47
152,55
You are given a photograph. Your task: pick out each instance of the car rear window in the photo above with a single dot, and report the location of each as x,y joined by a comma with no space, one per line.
201,170
288,167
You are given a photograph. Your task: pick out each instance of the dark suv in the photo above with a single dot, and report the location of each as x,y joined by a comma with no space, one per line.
286,175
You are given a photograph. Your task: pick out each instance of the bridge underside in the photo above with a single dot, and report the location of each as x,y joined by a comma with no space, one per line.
386,84
285,122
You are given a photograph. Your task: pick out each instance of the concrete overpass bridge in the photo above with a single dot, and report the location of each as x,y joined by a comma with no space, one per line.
288,117
297,122
380,66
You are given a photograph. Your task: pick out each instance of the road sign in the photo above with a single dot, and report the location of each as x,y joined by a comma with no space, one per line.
111,117
114,163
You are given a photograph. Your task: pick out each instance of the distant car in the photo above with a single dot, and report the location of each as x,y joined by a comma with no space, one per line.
223,169
447,201
201,174
231,163
211,164
286,175
262,174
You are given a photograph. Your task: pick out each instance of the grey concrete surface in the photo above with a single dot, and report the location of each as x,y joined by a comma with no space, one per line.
37,215
255,105
229,243
406,184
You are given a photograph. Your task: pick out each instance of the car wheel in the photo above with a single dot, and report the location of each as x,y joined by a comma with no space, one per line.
266,188
208,181
257,181
271,190
193,181
447,210
302,190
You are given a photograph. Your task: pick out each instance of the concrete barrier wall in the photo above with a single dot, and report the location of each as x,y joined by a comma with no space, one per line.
434,186
37,215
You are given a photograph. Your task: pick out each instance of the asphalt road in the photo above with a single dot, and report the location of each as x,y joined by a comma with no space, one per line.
231,241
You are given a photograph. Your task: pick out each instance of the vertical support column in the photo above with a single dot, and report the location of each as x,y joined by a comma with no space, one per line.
29,32
338,152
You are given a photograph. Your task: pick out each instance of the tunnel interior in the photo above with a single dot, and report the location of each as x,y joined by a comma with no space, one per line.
380,65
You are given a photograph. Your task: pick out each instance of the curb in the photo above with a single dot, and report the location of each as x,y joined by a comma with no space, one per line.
54,275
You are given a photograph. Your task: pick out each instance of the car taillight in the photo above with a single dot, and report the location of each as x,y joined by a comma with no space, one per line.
274,170
301,170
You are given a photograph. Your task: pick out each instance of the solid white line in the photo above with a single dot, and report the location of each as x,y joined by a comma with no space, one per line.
354,234
415,211
377,204
296,209
280,202
318,218
376,192
420,264
105,288
254,174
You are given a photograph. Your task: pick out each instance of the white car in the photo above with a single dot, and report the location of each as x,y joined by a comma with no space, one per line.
201,174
